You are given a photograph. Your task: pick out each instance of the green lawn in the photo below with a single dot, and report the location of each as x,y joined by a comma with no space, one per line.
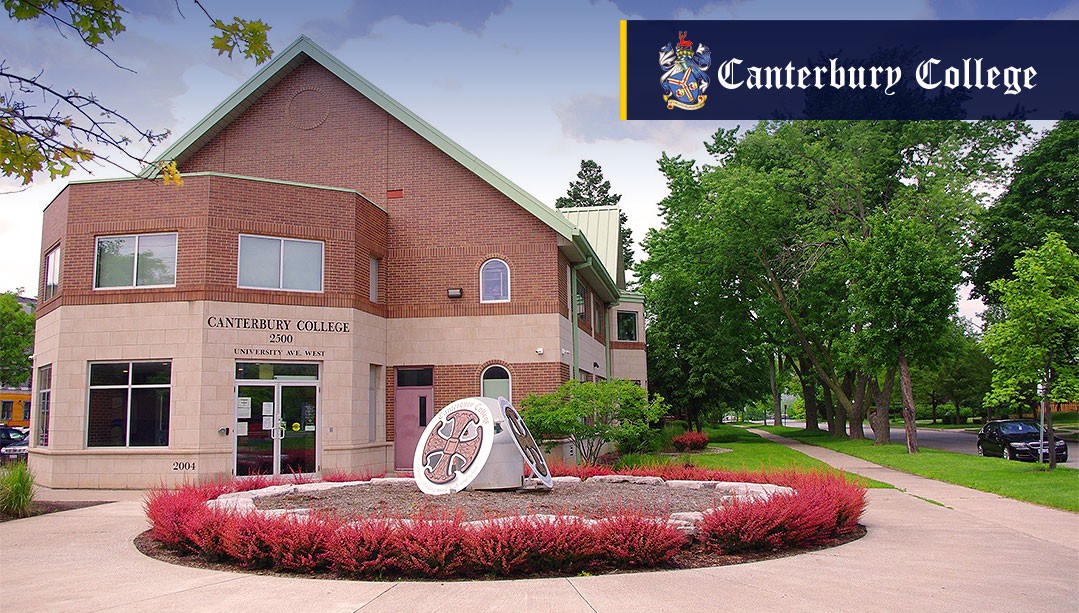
1019,480
749,452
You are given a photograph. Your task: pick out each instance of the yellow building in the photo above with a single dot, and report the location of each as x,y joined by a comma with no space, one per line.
15,407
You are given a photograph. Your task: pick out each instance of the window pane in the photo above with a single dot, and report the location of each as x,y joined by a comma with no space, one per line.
373,281
157,260
44,377
260,262
149,417
495,372
303,266
627,326
494,281
115,261
151,373
52,273
415,377
108,374
107,424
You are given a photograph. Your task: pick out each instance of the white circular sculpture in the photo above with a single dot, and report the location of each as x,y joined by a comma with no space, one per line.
454,447
526,444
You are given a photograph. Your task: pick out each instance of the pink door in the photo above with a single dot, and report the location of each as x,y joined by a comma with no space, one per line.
413,407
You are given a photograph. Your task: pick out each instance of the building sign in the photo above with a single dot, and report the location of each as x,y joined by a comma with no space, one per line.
454,447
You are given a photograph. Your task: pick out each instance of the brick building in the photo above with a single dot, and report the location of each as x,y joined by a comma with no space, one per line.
332,272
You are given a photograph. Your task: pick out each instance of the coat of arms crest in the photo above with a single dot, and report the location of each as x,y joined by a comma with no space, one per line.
685,80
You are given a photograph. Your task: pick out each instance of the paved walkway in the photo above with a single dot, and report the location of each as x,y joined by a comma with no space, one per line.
979,552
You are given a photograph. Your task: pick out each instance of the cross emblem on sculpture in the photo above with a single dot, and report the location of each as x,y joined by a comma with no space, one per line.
456,452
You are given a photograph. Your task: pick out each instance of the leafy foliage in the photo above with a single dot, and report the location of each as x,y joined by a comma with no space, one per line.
16,490
16,341
1041,199
592,414
694,441
49,129
1037,341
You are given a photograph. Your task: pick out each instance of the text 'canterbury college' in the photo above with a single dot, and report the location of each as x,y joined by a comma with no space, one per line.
929,74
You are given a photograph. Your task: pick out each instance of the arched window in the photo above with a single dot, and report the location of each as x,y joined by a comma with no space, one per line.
495,382
494,281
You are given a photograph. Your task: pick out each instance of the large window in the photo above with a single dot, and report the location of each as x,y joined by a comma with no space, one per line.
135,261
627,326
582,302
494,281
129,404
280,263
6,409
52,274
44,396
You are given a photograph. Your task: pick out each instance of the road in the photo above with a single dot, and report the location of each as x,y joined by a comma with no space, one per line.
958,441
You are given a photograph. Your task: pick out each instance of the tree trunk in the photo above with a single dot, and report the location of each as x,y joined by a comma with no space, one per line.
1050,439
882,398
809,395
955,403
933,407
858,411
829,410
907,392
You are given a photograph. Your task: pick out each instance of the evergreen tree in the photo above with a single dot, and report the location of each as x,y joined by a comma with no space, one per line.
591,189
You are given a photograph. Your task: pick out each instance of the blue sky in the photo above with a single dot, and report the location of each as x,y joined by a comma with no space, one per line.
437,58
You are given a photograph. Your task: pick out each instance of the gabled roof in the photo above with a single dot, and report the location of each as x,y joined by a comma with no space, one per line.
574,245
601,228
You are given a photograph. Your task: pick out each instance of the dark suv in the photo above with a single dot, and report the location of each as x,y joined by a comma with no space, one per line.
1017,439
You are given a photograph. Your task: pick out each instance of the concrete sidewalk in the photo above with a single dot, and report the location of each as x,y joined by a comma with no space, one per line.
984,553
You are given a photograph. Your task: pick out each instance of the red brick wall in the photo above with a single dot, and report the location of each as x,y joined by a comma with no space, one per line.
444,221
456,381
53,226
208,214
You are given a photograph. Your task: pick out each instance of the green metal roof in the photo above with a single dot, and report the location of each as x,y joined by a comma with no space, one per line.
574,245
600,226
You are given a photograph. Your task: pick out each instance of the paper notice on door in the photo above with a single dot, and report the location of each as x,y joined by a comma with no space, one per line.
308,428
267,423
241,427
267,408
243,408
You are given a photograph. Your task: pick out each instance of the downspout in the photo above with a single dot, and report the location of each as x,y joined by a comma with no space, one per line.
573,315
607,340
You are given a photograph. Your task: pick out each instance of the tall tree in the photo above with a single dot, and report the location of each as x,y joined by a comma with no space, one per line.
1037,341
592,189
52,129
16,341
1042,198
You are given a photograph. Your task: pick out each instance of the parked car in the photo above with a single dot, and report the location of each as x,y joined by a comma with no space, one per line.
1017,439
15,452
10,435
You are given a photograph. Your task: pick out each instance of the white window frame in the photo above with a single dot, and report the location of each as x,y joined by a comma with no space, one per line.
373,272
636,327
509,378
127,417
52,265
509,286
281,264
44,397
135,264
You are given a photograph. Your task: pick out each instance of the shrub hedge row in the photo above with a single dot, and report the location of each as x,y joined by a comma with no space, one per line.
442,547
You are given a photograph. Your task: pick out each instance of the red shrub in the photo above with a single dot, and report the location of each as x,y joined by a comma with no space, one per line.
432,547
169,510
256,482
303,544
250,539
581,471
365,549
508,547
823,507
637,540
690,440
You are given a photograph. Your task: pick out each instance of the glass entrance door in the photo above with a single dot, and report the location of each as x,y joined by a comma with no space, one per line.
276,428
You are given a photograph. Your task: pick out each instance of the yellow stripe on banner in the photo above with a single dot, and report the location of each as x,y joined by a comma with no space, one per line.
622,71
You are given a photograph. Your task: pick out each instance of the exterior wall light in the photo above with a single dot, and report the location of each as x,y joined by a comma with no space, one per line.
454,292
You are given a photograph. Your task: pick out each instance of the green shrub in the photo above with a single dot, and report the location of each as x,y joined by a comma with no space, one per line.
16,490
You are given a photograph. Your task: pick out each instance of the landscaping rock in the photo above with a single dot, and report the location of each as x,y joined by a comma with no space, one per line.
689,485
626,479
558,480
692,517
273,490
